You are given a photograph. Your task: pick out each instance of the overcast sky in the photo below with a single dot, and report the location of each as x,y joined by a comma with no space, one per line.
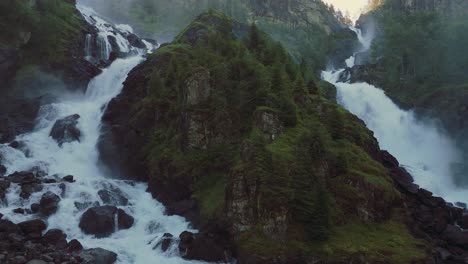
353,6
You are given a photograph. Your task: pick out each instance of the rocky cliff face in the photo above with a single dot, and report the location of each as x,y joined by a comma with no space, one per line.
38,54
446,7
264,165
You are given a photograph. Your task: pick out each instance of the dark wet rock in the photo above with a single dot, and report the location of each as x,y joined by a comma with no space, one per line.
4,185
35,207
181,207
49,181
455,236
1,215
49,203
100,221
65,130
3,170
166,241
463,222
404,180
74,245
8,227
17,116
23,177
388,160
55,237
28,189
461,205
15,144
19,211
125,221
32,226
200,247
97,256
69,178
113,197
135,41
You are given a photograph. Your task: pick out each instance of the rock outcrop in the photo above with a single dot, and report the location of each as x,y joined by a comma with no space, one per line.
101,221
65,130
25,243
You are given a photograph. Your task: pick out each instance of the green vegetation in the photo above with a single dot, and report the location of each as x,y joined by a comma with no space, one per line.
241,115
42,36
423,53
308,30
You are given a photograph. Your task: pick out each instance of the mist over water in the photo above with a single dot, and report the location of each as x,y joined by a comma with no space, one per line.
139,244
422,148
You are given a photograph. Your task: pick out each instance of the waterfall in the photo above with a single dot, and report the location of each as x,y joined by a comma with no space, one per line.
80,159
420,146
88,47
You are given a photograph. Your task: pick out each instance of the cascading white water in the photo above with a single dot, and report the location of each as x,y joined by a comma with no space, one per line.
424,150
88,48
80,159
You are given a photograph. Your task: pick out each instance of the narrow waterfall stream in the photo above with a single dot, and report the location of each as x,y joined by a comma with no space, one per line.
80,159
422,148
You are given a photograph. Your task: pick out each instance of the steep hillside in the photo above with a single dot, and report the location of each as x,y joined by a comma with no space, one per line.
41,49
236,136
309,29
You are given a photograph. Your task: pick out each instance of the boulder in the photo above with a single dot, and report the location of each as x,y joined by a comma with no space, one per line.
74,245
32,226
463,222
49,203
455,236
8,227
124,220
35,207
69,178
55,237
19,211
200,247
166,241
100,220
113,197
65,130
97,256
23,177
135,41
388,160
28,189
3,170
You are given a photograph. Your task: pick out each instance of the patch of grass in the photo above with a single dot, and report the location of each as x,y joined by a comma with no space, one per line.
209,192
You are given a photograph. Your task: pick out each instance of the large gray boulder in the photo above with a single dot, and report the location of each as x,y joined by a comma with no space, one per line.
100,220
65,130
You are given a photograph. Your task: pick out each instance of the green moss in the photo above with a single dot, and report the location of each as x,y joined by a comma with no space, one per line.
388,242
209,192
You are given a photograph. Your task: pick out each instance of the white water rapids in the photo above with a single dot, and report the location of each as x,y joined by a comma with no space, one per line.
423,149
80,159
